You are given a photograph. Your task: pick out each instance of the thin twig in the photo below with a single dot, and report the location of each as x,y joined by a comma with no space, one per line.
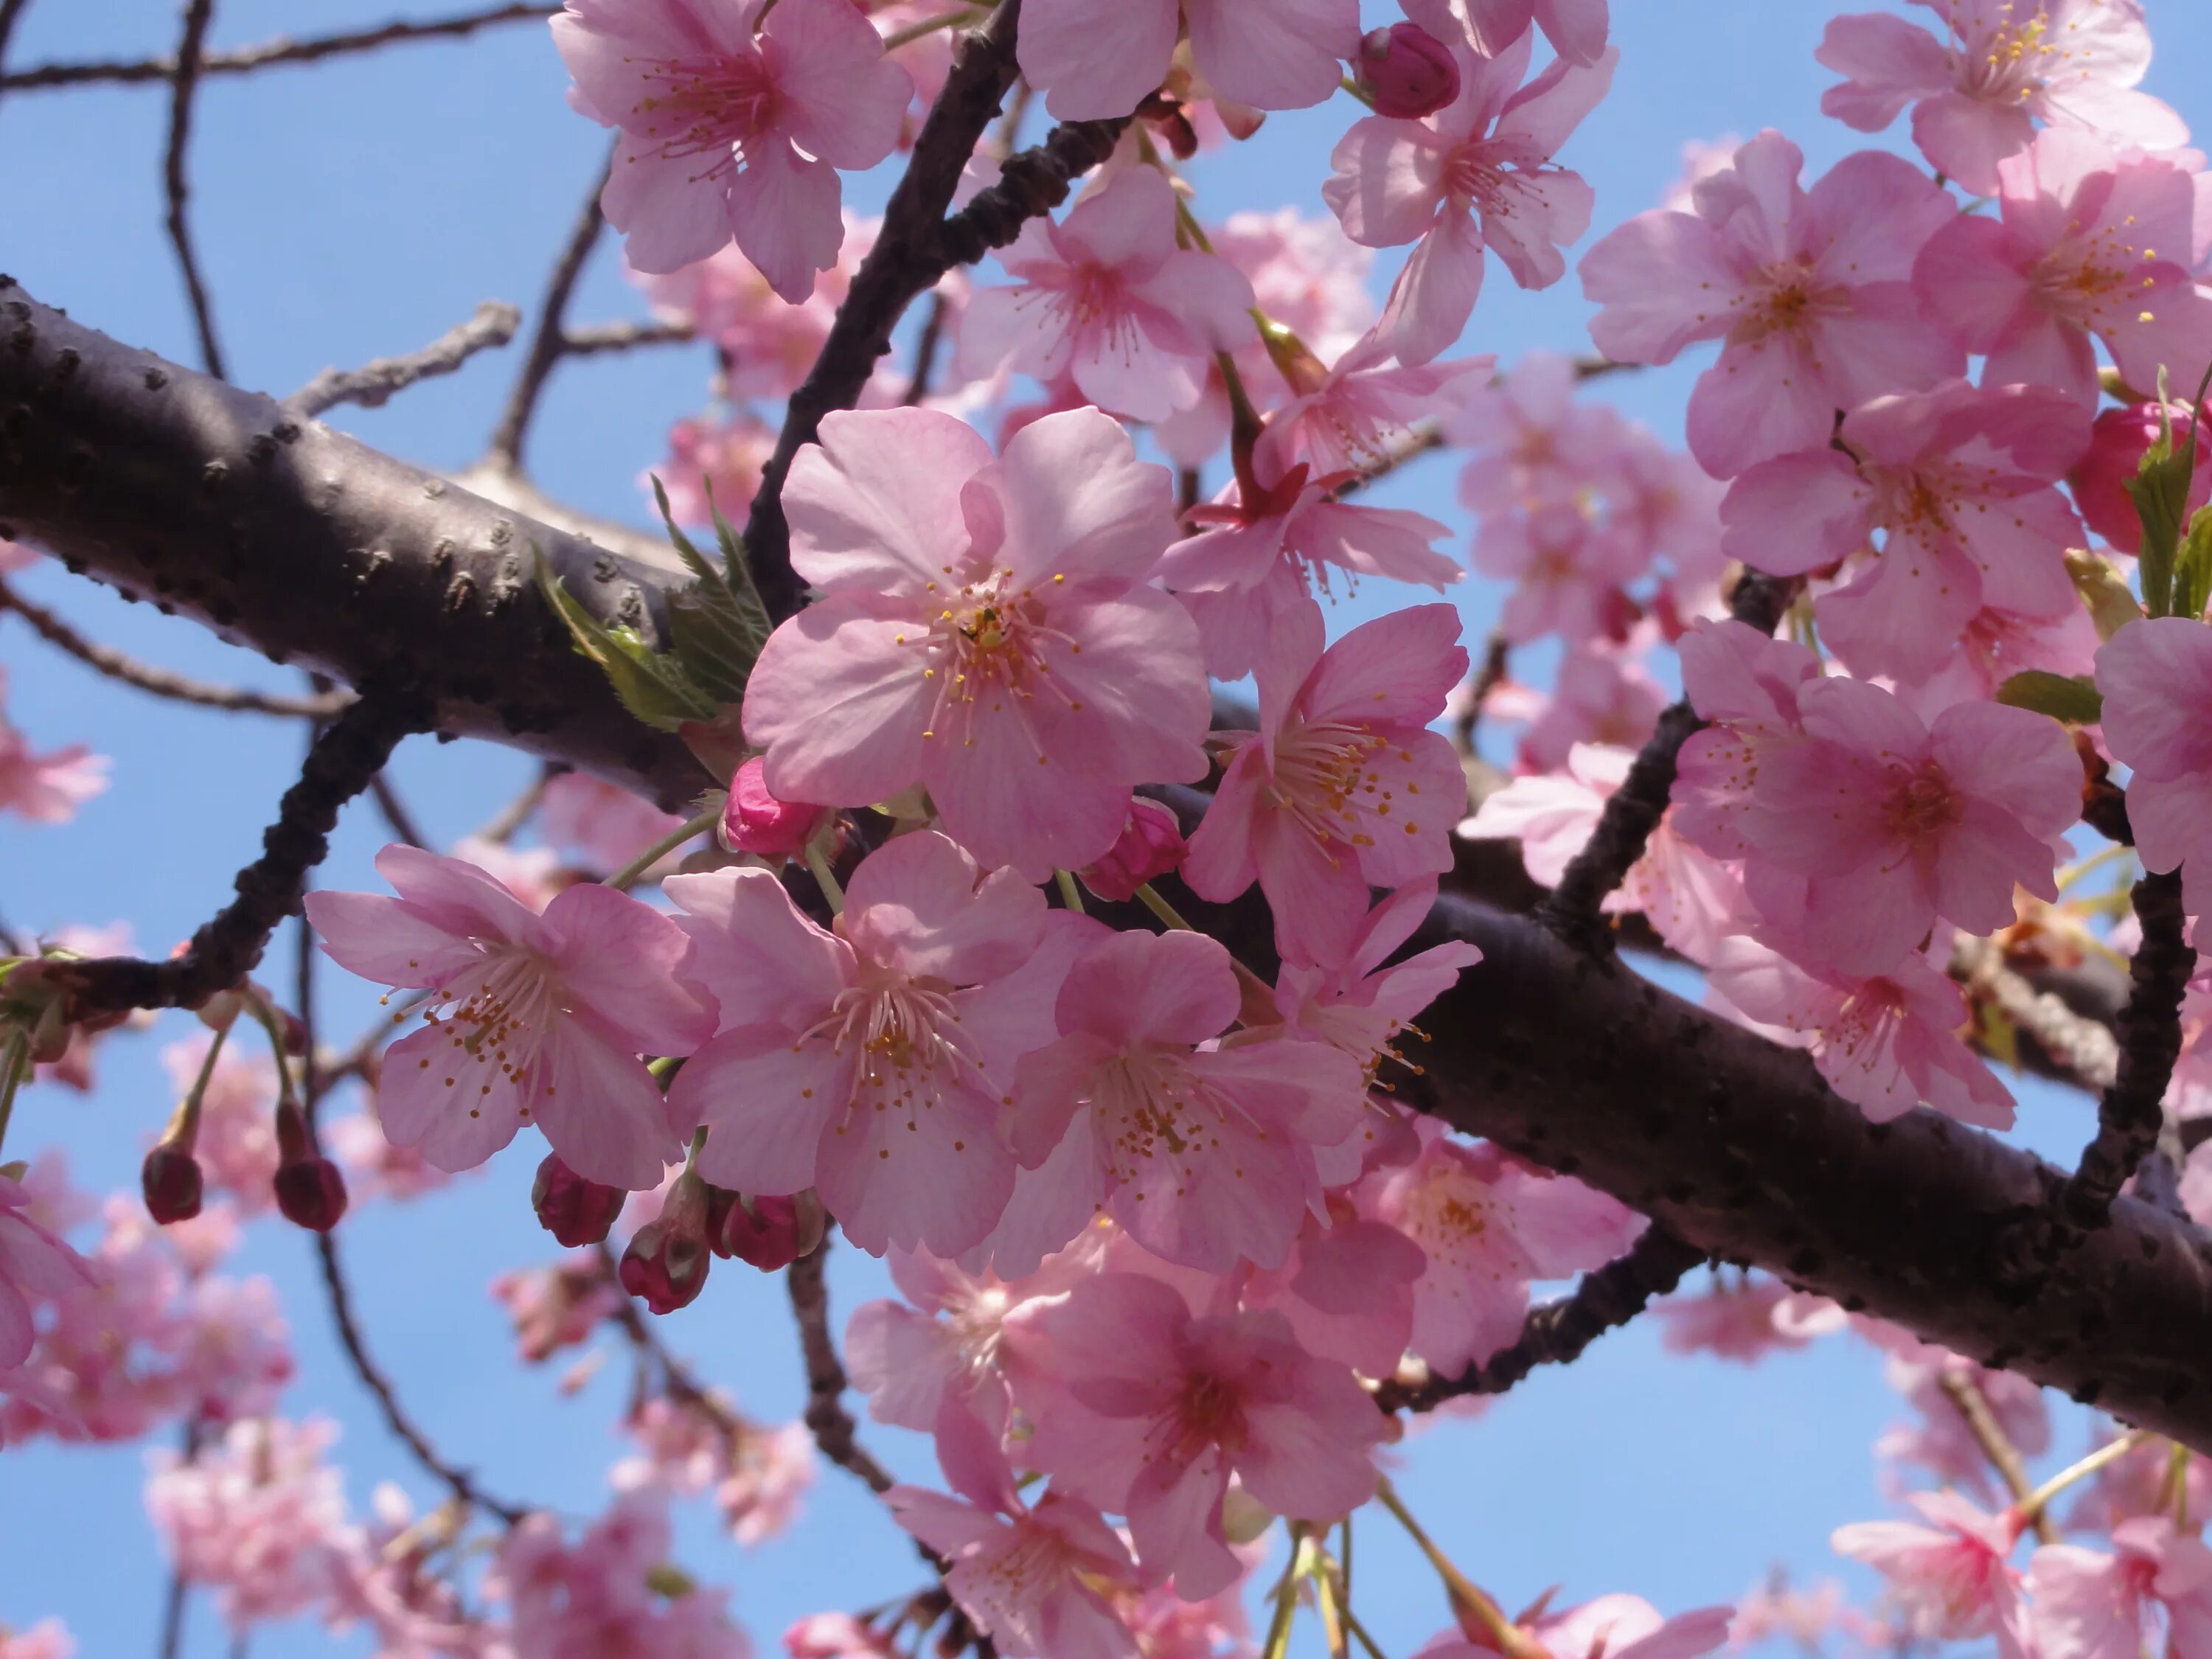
676,1378
349,1338
503,824
183,81
1572,909
1557,1333
10,11
835,1431
374,382
1963,1392
2084,1048
547,342
593,338
396,815
1486,679
924,352
267,55
160,681
171,1642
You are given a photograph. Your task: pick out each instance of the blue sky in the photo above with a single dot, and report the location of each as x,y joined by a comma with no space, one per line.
360,209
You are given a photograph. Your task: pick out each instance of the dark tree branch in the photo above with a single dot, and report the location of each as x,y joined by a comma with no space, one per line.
2129,1113
11,12
395,812
594,339
1496,659
835,1431
1634,809
184,82
265,56
374,383
456,1481
160,681
170,1644
346,755
925,353
547,342
1557,1333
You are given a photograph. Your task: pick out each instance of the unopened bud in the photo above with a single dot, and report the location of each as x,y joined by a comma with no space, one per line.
764,1231
576,1212
756,821
665,1265
310,1191
1151,845
1405,71
170,1179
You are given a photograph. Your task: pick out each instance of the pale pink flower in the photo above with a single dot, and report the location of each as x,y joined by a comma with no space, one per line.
1576,29
2092,244
375,1168
2116,445
2000,67
713,464
1203,1153
1033,1578
1097,59
1691,899
1344,784
34,1263
45,788
767,345
532,874
1663,500
1533,443
1994,646
1477,174
1744,1319
559,1305
1781,1609
532,1016
1254,562
1609,1627
1568,569
729,132
758,1475
256,1518
1346,1288
1746,683
2091,1605
1359,414
2154,675
837,1636
984,630
1887,1043
1959,484
850,1060
237,1144
605,825
1701,158
1949,1577
1810,290
1140,1407
1598,696
607,1593
1877,824
1490,1224
1941,1442
47,1640
1109,297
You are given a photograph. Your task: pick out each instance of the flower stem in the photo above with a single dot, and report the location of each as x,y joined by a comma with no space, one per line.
184,1122
1160,908
928,26
825,878
2111,1452
1507,1636
265,1017
696,825
1070,896
14,1063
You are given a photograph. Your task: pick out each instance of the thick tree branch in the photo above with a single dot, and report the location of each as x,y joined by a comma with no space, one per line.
160,681
184,82
265,56
375,382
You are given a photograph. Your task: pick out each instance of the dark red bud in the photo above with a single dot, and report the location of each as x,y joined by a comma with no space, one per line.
1151,845
1405,71
764,1232
665,1266
312,1193
576,1212
170,1179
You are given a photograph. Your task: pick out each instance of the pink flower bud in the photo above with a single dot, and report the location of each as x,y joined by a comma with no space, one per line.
170,1179
576,1212
756,822
310,1191
1152,846
1405,71
2116,444
764,1232
665,1265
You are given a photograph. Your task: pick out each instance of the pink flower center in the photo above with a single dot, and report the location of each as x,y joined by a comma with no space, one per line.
1150,1106
990,650
1485,175
908,1037
712,105
2095,277
1451,1215
2011,62
1208,1411
1921,802
1324,782
504,1011
1782,298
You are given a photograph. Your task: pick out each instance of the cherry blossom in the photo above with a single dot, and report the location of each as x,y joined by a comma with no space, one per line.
2002,65
1477,174
2091,1605
258,1517
1534,444
1598,696
47,1640
2152,674
842,1061
1108,297
1576,29
983,630
766,342
1959,482
531,1018
2117,441
1746,1318
713,463
45,788
2091,244
735,115
1949,1575
610,1591
594,820
1567,568
1141,1407
1344,784
34,1263
1810,291
1096,59
1618,1626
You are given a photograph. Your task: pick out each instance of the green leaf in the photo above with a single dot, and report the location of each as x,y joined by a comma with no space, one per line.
2192,567
655,687
2111,605
718,625
2072,698
2159,490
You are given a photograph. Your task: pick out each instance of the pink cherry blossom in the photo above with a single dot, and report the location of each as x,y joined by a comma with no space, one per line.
531,1018
1809,290
607,1593
556,1306
1691,899
1941,1440
1950,1575
1151,844
1598,696
1346,1289
735,115
2153,674
375,1168
846,1060
1097,59
257,1517
1877,824
605,826
1746,683
2002,66
1489,1225
1568,569
1533,443
45,788
1031,1577
1358,414
767,345
1886,1043
2092,244
713,463
47,1640
984,630
1107,297
1744,1319
1141,1407
838,1636
1203,1153
1405,72
1344,784
1959,484
2092,1605
1477,174
1576,29
756,821
33,1263
1609,1627
2116,444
